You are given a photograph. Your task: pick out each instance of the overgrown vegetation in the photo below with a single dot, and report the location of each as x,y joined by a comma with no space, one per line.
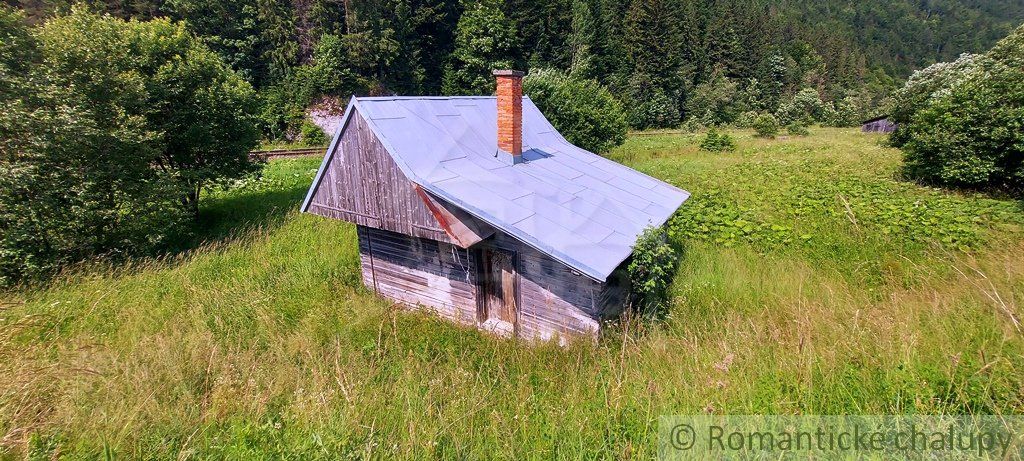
797,129
813,282
312,135
110,131
651,269
766,126
969,131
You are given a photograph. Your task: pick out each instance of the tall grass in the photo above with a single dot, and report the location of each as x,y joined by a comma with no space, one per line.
258,340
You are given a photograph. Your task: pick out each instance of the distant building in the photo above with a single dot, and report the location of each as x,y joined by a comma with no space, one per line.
477,209
878,125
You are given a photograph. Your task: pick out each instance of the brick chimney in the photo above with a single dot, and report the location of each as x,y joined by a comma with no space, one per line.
510,113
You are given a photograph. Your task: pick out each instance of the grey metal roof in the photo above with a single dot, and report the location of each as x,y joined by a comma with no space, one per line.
576,206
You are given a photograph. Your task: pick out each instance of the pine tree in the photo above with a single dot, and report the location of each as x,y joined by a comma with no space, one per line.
652,42
583,40
278,31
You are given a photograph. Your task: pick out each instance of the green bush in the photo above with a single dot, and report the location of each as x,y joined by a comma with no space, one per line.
310,134
806,107
716,101
581,109
766,126
796,129
972,134
717,142
111,130
651,268
746,119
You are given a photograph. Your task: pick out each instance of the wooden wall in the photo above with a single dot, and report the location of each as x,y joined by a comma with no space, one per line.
416,271
362,184
553,299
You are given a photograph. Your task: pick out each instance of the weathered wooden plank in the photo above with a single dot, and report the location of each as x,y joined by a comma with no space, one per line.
364,185
419,272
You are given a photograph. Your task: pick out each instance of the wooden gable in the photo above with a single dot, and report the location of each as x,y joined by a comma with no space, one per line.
361,183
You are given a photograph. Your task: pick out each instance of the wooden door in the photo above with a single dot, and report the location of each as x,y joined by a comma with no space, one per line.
500,286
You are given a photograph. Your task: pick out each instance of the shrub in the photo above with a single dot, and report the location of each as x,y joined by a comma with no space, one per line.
312,135
840,114
651,269
716,101
766,126
582,110
971,135
717,142
111,130
796,129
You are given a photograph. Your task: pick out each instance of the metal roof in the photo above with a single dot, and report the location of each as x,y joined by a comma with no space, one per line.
576,206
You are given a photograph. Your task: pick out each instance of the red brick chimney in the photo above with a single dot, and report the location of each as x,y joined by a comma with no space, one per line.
510,112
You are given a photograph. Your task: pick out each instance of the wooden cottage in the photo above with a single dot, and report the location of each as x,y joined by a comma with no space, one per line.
476,208
878,125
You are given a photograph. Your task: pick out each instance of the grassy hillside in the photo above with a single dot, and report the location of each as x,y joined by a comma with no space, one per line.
813,281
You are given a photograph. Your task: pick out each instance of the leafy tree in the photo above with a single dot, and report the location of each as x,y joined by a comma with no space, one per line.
200,116
110,130
484,40
716,101
806,108
972,134
582,110
922,87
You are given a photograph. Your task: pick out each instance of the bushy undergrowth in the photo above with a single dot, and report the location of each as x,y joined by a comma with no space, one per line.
312,135
766,126
797,129
651,269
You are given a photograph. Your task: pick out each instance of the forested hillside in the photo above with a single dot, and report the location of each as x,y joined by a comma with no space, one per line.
751,55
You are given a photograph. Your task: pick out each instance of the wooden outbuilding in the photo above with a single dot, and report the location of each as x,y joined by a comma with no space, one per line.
477,209
880,124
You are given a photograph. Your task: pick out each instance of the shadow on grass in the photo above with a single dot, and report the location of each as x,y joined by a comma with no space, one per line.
228,216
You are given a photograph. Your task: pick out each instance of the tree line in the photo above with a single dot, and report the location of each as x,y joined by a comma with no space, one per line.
666,61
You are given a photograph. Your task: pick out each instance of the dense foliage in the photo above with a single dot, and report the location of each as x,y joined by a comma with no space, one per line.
765,126
667,61
970,131
651,269
111,129
714,141
581,109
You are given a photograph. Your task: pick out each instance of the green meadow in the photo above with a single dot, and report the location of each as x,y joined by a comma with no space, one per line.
812,280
